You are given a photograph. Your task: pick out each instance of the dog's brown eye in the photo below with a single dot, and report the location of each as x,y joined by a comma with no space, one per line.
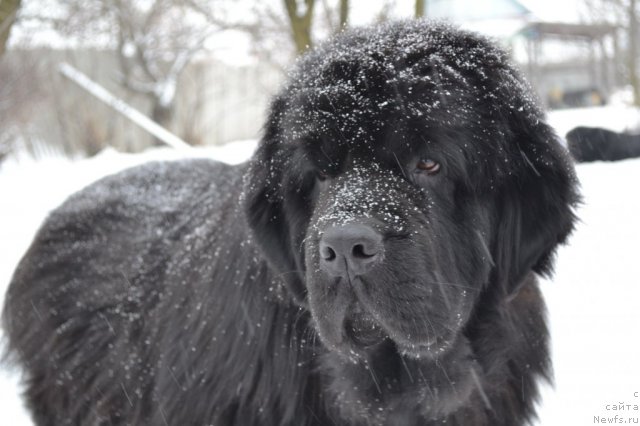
429,166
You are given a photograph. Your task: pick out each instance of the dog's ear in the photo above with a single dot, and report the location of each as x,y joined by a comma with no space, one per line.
264,204
534,208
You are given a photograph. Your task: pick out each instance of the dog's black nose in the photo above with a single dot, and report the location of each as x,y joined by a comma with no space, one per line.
350,250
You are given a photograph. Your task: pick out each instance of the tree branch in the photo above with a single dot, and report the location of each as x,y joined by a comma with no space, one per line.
344,13
8,12
300,24
420,6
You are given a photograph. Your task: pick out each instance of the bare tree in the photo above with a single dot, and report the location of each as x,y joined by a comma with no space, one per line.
301,18
344,13
21,94
623,14
153,40
154,45
8,12
420,7
336,17
632,58
386,12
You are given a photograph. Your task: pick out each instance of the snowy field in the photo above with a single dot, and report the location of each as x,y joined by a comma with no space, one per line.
594,299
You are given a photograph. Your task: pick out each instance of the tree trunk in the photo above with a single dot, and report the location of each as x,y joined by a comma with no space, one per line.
300,24
344,13
8,11
420,8
163,115
633,50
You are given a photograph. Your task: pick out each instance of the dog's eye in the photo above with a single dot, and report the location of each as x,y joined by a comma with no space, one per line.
429,166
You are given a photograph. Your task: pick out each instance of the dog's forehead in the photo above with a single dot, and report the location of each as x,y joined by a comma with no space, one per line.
369,83
357,107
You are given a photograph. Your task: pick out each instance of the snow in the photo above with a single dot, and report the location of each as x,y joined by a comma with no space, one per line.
618,118
353,198
594,299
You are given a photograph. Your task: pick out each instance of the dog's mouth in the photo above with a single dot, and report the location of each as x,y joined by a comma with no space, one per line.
366,333
363,330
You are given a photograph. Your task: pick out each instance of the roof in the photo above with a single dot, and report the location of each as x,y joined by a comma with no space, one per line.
472,10
535,30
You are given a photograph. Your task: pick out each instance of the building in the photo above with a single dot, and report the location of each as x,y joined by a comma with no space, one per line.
568,63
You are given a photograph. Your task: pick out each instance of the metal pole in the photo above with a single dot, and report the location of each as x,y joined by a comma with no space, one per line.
122,107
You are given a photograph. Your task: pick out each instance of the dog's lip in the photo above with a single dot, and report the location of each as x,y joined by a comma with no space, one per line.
432,348
363,330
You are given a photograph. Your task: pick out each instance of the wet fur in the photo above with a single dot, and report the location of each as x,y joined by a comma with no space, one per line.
188,293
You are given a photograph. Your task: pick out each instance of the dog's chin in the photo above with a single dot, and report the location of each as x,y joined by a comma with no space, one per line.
364,336
360,337
363,346
430,348
427,351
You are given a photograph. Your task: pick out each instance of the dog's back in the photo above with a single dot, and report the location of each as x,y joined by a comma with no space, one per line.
588,144
82,295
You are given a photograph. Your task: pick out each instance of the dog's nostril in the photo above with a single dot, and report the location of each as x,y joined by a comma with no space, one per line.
328,253
360,252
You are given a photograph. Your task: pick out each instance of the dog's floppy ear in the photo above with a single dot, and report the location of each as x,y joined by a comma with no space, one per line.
264,204
534,208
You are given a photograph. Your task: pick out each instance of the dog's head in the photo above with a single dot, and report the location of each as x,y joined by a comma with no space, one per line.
403,171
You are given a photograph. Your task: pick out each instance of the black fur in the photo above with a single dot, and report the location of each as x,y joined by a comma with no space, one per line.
595,144
149,299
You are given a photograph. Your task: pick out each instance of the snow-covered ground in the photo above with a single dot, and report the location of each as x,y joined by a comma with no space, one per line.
594,299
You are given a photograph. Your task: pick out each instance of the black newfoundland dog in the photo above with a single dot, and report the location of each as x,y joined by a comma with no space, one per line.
374,264
588,144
